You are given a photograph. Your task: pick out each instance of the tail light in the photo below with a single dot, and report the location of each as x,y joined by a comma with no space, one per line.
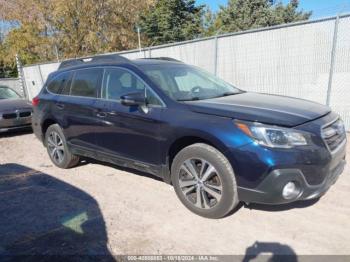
35,101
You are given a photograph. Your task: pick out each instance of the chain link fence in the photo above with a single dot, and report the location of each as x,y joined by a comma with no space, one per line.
309,60
13,83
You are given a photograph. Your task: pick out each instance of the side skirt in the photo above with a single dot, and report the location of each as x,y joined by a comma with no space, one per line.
159,171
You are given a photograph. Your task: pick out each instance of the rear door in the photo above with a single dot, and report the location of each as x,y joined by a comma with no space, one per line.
54,87
76,106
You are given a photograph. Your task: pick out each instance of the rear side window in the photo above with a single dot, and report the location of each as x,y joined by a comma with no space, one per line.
86,82
58,83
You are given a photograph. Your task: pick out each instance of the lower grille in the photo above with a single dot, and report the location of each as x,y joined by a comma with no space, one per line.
334,134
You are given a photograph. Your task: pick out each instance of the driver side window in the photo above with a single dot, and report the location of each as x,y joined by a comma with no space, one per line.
118,82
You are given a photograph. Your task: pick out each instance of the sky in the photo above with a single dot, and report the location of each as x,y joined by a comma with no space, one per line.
320,8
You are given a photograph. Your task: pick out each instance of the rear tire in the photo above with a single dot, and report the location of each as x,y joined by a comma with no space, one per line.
57,148
204,181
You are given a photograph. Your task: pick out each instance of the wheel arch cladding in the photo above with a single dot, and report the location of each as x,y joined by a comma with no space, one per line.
46,124
184,141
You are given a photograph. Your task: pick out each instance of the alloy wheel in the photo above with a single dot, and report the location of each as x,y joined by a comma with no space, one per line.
200,183
55,147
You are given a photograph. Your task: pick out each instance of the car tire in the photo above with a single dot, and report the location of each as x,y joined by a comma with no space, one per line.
215,186
57,148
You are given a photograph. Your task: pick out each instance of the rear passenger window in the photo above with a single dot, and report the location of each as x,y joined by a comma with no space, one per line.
58,83
86,82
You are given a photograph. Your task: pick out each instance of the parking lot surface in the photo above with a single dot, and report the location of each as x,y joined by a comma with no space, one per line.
97,208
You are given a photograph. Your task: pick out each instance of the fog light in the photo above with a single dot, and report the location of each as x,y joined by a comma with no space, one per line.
290,190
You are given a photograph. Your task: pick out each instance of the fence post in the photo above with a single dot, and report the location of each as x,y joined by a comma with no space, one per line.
216,55
22,82
41,75
331,70
149,52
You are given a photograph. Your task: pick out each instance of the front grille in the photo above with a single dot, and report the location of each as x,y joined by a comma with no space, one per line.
334,134
9,116
25,114
17,115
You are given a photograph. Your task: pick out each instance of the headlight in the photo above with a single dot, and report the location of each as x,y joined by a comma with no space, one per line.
272,136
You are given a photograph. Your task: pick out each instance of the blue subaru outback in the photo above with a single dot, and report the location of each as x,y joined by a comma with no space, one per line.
216,144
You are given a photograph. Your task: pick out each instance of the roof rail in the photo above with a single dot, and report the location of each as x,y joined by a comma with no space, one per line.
165,59
94,59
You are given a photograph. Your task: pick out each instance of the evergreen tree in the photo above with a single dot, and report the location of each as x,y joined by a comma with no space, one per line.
290,13
241,15
172,21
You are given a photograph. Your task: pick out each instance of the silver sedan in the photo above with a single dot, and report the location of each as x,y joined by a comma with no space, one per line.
15,112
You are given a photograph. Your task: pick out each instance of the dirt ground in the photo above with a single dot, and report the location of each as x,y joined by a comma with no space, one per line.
97,208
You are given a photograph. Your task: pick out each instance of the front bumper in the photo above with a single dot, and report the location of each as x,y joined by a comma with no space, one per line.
270,190
15,124
262,173
14,128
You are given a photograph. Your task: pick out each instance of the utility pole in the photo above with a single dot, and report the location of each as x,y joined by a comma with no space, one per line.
139,37
21,77
56,51
2,31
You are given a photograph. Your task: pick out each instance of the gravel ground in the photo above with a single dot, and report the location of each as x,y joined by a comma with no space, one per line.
97,208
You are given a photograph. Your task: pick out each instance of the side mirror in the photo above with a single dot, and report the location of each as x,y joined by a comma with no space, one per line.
133,99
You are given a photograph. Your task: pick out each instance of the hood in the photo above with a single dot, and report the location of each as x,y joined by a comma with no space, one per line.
268,109
14,104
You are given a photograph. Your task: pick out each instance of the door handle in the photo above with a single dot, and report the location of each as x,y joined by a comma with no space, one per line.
60,106
112,113
101,114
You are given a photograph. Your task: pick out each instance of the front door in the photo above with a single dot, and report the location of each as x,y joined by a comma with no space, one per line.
129,132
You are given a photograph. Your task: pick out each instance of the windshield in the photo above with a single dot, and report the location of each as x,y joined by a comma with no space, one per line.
185,83
7,93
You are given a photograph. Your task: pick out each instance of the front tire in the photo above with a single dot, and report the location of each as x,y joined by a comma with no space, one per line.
57,148
204,181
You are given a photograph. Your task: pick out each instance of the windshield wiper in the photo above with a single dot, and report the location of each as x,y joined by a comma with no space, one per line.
228,94
204,98
189,99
